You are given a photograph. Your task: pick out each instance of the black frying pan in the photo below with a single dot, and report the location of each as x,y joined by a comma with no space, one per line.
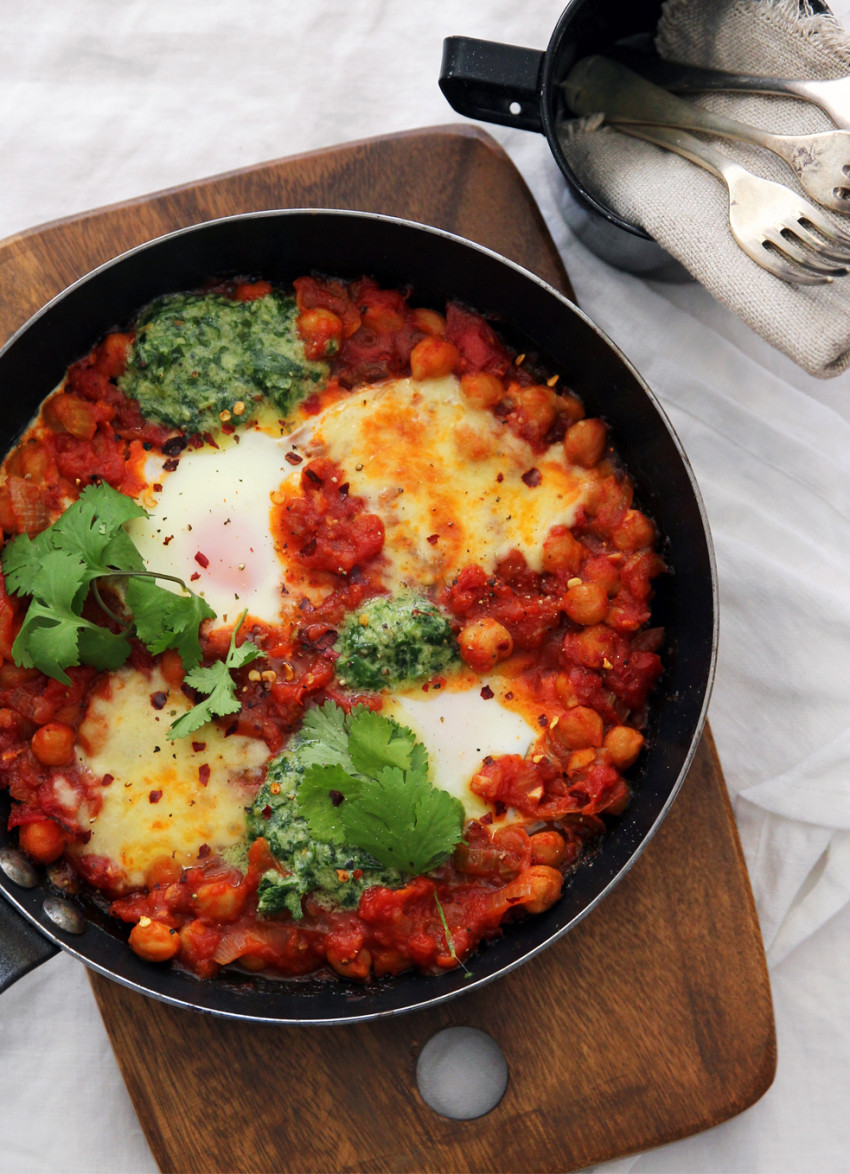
535,319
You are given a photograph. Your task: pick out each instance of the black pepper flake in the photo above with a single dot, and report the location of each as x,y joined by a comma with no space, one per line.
313,476
532,478
487,693
489,760
542,719
154,796
231,730
343,489
158,700
499,807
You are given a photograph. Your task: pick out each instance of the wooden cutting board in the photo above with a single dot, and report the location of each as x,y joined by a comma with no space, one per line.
650,1021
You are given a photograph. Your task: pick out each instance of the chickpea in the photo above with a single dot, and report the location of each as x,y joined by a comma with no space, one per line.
634,532
358,966
321,331
594,645
482,390
383,318
220,900
484,643
43,841
578,728
429,322
570,405
585,442
154,940
603,569
623,744
548,847
562,551
541,887
53,744
432,358
586,603
534,408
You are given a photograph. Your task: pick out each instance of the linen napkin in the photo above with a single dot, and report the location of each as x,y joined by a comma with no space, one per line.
685,209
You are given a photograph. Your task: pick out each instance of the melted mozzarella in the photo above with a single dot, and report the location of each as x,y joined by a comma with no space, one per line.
216,504
458,729
124,736
446,479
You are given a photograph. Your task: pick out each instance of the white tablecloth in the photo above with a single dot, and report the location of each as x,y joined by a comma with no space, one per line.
101,102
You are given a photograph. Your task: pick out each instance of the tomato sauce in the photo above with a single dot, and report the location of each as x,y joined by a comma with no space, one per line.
574,633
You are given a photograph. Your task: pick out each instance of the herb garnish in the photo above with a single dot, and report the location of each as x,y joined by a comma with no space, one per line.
84,547
215,679
366,784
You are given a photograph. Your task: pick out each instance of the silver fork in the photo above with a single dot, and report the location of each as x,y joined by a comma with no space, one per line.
773,225
821,161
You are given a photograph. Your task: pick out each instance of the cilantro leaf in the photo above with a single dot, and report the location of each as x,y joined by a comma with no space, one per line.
56,569
216,681
92,529
385,804
22,561
164,619
324,738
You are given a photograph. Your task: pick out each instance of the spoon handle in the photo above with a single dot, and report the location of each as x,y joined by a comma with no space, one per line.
597,84
832,95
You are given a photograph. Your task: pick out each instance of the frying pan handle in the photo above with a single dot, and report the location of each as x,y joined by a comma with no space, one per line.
22,947
493,82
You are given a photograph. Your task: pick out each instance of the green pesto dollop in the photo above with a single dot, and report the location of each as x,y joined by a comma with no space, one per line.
392,641
197,355
310,865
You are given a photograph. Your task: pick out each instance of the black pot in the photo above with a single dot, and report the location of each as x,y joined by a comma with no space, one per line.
519,87
537,320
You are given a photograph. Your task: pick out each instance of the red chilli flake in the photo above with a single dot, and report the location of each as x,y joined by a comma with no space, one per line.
313,476
199,746
532,478
158,700
487,693
170,465
204,773
294,458
193,578
107,780
433,539
201,559
154,796
203,851
266,812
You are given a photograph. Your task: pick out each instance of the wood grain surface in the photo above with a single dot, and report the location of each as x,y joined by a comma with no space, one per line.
650,1021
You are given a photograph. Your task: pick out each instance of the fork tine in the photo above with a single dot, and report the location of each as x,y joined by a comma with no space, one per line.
781,266
833,241
791,249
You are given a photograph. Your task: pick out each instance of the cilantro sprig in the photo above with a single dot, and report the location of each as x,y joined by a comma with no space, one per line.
216,681
85,547
366,784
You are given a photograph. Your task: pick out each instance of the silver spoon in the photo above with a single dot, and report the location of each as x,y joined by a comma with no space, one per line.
831,95
821,162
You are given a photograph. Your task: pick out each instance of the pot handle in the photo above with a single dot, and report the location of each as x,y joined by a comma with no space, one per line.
493,82
22,947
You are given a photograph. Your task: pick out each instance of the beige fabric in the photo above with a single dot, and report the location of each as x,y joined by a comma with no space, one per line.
685,209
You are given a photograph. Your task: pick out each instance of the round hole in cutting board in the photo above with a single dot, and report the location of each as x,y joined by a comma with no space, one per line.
461,1073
